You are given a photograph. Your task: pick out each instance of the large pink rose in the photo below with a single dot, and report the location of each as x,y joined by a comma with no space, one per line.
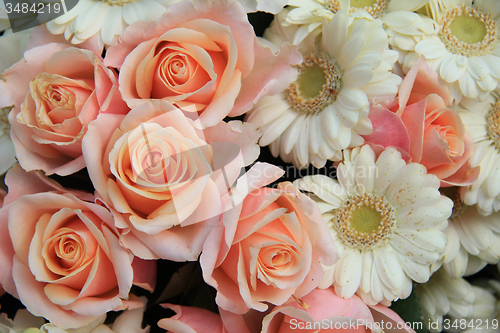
202,56
56,91
422,125
67,262
168,178
271,247
324,311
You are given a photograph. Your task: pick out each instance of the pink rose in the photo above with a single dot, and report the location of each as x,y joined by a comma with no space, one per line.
204,57
191,319
271,247
324,311
168,178
423,126
68,265
56,91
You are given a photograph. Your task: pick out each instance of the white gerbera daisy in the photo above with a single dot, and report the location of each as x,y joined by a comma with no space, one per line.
310,13
387,220
482,122
443,295
326,109
473,239
485,316
107,18
466,51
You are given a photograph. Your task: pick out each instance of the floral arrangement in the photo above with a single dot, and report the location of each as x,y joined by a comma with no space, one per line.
140,195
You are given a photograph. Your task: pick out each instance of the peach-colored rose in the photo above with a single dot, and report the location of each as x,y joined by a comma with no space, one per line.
422,125
68,264
202,56
191,319
167,177
324,311
56,91
271,247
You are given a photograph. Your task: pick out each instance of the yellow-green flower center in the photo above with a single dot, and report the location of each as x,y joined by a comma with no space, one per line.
468,32
493,124
319,82
311,81
365,221
468,29
362,3
375,8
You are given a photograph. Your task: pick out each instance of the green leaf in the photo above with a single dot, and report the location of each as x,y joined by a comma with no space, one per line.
409,310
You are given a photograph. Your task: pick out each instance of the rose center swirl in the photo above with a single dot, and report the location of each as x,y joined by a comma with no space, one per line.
365,221
468,32
318,84
375,8
493,124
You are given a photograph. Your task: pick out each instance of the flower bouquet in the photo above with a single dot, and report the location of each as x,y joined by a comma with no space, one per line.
250,166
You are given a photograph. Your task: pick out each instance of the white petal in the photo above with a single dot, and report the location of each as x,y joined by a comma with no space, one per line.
417,272
357,75
314,133
450,70
135,11
468,86
413,252
330,123
388,268
432,240
431,49
335,34
351,50
292,133
348,272
353,99
277,127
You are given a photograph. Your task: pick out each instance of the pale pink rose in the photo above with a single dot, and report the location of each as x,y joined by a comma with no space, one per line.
56,91
324,311
196,320
168,178
422,125
192,319
271,247
202,56
67,262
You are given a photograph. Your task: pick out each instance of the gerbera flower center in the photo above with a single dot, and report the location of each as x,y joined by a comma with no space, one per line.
375,8
318,84
365,221
468,32
493,124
